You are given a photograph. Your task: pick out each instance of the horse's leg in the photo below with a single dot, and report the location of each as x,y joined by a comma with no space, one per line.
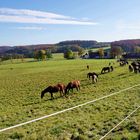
52,96
96,79
79,87
60,93
102,72
72,90
87,76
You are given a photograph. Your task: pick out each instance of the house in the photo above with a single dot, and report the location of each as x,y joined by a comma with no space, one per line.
85,56
95,55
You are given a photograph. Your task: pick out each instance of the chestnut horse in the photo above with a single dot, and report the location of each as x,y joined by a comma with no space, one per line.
53,89
71,85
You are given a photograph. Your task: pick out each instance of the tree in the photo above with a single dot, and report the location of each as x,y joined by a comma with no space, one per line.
101,52
136,49
68,54
40,55
80,51
116,51
49,54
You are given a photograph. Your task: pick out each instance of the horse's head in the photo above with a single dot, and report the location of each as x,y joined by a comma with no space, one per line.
68,87
42,93
45,90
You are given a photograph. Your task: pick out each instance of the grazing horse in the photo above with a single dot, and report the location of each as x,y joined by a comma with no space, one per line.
91,74
105,69
130,68
71,85
123,63
88,67
136,67
53,89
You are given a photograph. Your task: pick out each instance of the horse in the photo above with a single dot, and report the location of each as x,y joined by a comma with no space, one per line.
123,63
136,67
88,67
91,74
71,85
105,69
53,89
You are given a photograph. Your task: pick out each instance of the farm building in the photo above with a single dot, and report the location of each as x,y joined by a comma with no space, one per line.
95,54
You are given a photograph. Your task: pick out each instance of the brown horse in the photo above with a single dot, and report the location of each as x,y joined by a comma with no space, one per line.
53,89
71,85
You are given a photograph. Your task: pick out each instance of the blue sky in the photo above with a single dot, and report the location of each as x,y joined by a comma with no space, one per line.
25,22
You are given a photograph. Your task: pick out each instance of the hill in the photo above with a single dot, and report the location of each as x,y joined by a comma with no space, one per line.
74,45
127,45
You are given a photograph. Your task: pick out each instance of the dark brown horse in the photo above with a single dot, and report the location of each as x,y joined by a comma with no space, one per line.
88,67
105,69
91,74
53,89
123,63
71,85
136,66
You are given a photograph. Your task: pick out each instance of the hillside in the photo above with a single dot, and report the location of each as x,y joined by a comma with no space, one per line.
27,50
127,45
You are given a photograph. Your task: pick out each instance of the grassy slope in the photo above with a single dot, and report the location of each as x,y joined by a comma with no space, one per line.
20,101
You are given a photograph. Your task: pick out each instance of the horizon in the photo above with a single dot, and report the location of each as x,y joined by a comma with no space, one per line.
64,41
49,22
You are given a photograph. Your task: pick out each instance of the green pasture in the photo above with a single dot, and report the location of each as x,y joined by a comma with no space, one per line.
21,84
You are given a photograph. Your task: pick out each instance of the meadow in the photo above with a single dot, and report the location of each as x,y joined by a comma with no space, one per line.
22,83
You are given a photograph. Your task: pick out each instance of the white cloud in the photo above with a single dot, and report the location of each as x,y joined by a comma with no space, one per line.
30,28
38,17
26,12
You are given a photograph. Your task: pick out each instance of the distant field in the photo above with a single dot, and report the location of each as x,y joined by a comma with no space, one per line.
56,56
21,84
96,49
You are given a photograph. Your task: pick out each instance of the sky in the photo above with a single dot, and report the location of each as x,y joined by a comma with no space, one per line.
26,22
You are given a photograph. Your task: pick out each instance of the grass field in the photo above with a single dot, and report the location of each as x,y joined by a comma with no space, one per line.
21,84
